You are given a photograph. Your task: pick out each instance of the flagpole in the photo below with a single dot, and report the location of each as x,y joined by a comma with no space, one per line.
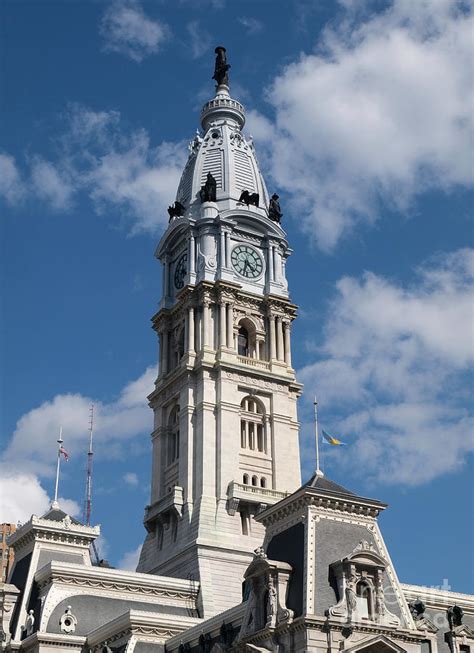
60,440
316,433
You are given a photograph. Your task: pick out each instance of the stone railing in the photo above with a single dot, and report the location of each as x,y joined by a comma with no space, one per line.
254,362
254,493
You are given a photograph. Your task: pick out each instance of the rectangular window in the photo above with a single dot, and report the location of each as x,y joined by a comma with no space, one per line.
425,646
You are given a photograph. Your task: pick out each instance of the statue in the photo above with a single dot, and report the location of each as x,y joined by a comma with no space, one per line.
417,609
249,198
455,615
208,191
221,68
29,623
274,210
271,604
351,595
176,210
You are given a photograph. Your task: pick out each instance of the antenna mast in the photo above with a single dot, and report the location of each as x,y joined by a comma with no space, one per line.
90,455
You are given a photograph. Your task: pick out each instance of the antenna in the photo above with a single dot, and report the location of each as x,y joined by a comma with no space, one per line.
90,455
318,471
88,499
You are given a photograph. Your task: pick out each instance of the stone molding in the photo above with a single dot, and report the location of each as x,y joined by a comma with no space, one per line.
438,599
115,580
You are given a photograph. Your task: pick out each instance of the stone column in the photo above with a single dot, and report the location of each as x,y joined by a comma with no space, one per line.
164,358
191,255
222,257
227,250
270,262
191,346
222,324
272,337
160,353
230,326
205,323
286,327
279,330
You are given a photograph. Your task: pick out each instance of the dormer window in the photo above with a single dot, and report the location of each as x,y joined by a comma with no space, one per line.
364,600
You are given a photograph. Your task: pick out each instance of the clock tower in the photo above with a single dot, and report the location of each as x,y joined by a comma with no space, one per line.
225,438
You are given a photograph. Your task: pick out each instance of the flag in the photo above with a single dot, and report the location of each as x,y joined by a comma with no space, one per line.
330,440
63,451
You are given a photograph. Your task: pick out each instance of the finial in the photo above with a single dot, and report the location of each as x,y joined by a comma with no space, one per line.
221,68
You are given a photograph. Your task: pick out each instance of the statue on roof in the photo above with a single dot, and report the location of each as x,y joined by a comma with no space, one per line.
221,67
208,191
274,210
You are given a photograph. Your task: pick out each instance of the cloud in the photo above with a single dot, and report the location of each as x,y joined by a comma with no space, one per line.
381,112
31,448
200,40
129,561
392,371
115,166
50,185
12,188
21,495
252,25
127,30
30,454
131,479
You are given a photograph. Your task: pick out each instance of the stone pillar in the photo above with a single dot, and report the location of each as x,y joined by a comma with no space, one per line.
230,326
164,358
279,329
205,323
286,327
272,337
160,353
191,345
222,257
222,324
191,254
270,262
227,250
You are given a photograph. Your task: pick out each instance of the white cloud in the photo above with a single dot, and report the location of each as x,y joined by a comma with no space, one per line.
130,559
33,444
392,371
383,111
131,478
50,185
252,25
22,495
199,39
12,187
126,29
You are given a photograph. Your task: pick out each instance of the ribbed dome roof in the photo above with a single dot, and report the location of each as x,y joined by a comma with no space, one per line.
226,154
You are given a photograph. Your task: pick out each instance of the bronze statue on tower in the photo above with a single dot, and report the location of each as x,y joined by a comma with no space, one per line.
221,67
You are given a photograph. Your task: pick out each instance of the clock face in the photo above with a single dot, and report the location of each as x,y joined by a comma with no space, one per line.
180,271
246,261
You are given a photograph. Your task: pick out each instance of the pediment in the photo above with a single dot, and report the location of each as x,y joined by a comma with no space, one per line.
378,644
364,554
463,631
426,624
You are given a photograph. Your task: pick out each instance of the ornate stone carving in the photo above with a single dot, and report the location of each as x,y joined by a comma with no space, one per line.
68,621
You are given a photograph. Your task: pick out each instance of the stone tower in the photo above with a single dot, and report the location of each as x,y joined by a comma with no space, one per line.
225,439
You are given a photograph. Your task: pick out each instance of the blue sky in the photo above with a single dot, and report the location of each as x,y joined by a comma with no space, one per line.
361,117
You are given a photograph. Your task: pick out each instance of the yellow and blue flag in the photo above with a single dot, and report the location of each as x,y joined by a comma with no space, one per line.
330,440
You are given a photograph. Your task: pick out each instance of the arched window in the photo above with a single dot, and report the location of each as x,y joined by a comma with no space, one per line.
173,435
254,481
252,428
263,482
364,600
246,479
243,342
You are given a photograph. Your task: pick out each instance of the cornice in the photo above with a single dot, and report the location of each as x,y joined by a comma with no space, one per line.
437,598
64,531
116,580
136,622
306,496
52,639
